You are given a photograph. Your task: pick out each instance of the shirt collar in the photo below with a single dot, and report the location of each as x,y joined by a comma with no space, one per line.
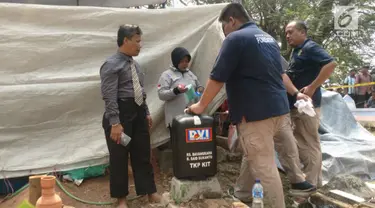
301,45
123,55
246,24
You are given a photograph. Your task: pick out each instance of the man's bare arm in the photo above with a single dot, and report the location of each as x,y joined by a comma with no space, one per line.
290,88
324,74
212,89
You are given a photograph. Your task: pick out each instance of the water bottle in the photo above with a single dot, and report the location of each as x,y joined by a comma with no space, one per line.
125,139
257,195
198,95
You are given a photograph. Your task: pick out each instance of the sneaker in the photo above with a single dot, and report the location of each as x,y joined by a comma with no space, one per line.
303,189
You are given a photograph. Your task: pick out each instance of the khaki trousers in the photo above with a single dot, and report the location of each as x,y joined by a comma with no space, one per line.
257,140
286,146
308,141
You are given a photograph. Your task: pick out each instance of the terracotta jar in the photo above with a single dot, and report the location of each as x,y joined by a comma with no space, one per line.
49,198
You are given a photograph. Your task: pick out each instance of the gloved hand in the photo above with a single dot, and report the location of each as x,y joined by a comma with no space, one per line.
305,107
179,89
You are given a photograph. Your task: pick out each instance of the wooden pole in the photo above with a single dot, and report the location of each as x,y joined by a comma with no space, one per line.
35,191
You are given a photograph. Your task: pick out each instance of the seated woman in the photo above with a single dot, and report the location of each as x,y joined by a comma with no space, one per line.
371,101
172,85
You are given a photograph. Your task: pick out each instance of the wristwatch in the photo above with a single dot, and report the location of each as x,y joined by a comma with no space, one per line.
115,124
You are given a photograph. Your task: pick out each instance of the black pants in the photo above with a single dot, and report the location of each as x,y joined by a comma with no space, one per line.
361,100
134,122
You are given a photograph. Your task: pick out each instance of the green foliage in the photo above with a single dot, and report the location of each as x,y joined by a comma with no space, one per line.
350,52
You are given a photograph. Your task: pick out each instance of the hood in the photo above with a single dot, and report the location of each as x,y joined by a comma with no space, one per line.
178,54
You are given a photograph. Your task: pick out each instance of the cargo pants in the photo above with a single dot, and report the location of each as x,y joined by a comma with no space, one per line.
286,146
305,130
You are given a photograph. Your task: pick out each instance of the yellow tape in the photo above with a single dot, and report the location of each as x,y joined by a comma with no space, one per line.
347,86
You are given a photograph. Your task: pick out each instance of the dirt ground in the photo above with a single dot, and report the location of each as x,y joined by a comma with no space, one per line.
97,189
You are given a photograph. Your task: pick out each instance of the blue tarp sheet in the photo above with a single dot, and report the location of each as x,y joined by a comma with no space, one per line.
347,147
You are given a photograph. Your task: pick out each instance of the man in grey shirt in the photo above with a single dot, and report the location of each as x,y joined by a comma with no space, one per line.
126,111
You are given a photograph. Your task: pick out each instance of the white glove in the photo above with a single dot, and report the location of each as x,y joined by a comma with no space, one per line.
305,107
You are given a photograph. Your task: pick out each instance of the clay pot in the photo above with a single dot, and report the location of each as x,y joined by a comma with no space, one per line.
49,198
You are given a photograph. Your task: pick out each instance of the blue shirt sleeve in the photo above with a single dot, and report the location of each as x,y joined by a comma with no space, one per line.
284,64
227,60
317,54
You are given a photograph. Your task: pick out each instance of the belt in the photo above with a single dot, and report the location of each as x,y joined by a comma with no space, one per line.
131,99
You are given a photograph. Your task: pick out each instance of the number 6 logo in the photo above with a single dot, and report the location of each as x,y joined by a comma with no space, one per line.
346,18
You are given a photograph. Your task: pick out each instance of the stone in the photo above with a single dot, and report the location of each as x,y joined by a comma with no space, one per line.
235,156
165,199
221,154
186,190
173,206
216,203
239,205
350,184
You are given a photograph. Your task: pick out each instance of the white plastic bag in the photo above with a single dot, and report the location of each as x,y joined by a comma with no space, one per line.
233,140
305,107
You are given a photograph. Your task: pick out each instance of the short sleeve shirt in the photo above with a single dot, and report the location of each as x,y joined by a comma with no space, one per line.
249,63
304,67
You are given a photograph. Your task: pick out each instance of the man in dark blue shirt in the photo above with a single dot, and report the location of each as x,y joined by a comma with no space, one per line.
249,63
309,66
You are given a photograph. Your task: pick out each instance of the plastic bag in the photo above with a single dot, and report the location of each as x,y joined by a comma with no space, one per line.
305,107
190,94
233,140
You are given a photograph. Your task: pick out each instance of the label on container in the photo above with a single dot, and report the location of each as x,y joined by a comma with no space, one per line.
198,135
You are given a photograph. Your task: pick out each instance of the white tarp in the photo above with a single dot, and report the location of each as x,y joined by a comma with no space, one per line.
99,3
51,107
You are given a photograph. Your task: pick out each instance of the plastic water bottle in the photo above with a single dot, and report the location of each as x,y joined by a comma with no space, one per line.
125,139
198,94
257,195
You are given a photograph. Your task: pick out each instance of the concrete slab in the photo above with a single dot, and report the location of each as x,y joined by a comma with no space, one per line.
319,199
346,197
186,190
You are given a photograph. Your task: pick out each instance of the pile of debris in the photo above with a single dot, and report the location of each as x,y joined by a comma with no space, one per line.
342,191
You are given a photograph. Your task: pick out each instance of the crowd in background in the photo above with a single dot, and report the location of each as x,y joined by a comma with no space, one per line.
363,95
